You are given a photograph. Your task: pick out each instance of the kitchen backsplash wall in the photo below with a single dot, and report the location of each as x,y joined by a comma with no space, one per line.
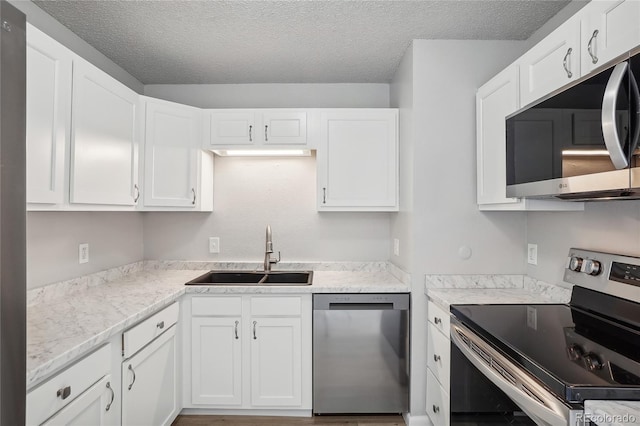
610,226
114,238
250,193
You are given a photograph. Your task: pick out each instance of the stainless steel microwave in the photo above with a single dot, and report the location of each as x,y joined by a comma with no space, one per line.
582,143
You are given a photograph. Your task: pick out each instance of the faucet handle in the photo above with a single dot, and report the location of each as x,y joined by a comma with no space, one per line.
274,261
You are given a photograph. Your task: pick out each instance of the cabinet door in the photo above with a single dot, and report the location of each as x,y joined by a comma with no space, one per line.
284,127
494,101
276,369
104,145
93,407
172,144
48,116
233,128
358,161
149,384
609,29
552,63
216,361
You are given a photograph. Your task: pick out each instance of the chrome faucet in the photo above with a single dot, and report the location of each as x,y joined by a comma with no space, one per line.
268,260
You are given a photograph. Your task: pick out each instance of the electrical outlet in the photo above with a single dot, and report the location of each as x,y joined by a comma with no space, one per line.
396,246
83,253
214,244
532,254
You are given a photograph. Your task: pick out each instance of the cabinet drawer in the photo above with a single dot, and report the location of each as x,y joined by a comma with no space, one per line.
437,402
265,306
44,401
135,338
439,318
216,306
439,355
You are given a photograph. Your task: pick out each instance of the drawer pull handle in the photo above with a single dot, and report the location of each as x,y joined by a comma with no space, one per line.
266,136
250,137
436,358
565,64
435,408
254,330
324,195
437,320
113,395
594,58
64,392
236,330
134,376
160,325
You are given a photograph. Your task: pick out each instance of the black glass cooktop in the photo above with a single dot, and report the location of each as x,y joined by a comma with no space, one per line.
577,354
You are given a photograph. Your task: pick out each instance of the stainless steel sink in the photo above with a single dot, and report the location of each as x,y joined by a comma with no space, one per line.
253,278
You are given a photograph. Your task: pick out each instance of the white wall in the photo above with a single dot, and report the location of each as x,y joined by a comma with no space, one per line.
609,226
114,239
443,215
250,193
274,95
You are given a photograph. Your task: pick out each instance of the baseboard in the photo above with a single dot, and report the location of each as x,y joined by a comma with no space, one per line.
247,412
416,420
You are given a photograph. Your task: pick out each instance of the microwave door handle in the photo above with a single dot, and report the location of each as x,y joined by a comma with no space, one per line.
609,129
634,122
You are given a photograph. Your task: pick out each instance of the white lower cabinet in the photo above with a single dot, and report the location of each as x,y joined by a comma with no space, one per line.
91,408
438,365
250,352
150,376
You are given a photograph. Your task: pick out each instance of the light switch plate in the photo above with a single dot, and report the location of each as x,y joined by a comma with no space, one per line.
83,253
214,244
396,246
532,254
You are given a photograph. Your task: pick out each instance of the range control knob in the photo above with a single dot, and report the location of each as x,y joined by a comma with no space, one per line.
575,263
574,352
593,362
591,267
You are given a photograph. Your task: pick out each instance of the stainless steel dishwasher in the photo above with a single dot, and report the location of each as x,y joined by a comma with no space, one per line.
360,353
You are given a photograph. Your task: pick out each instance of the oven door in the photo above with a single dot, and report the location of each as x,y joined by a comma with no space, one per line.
532,398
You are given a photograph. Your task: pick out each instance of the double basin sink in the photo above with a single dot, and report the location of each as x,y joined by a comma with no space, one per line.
253,278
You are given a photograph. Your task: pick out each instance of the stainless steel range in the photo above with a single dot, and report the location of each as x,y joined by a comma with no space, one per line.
550,358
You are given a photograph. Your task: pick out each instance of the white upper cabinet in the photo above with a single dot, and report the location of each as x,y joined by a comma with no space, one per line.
172,149
104,139
552,63
610,28
256,128
357,160
49,67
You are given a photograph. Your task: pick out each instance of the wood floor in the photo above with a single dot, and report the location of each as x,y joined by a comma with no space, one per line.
285,421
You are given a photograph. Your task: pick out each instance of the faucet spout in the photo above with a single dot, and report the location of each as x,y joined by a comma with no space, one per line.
268,260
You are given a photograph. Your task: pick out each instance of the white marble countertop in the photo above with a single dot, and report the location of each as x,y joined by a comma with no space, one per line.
445,297
64,327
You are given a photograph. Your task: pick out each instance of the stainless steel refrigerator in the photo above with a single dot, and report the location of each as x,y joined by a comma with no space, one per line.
12,215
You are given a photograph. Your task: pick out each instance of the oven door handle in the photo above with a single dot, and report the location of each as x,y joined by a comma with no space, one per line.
533,399
609,128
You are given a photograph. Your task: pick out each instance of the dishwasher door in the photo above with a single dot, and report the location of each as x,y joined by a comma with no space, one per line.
360,353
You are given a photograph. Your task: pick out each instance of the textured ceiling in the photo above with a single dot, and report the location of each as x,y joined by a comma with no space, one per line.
264,41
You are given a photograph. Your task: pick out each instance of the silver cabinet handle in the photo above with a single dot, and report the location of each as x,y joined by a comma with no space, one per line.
113,395
135,199
324,195
594,58
266,137
236,330
565,61
609,129
64,392
437,320
436,358
134,376
435,408
160,325
250,137
194,196
254,330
